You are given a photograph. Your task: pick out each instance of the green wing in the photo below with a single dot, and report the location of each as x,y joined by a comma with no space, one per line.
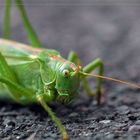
21,56
17,53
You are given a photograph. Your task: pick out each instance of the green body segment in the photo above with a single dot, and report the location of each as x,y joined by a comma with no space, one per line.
37,70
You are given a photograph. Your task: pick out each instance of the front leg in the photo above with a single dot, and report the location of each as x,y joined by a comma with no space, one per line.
89,68
57,121
44,95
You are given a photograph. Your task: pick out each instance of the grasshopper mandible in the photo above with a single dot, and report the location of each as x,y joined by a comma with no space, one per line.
38,75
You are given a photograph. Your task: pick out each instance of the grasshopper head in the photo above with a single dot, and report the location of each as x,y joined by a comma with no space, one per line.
67,82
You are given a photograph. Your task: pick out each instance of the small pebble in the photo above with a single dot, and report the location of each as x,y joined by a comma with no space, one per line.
137,122
134,128
74,114
132,117
105,121
110,136
123,109
8,123
119,125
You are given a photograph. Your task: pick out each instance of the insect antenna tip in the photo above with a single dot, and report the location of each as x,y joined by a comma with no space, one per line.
112,79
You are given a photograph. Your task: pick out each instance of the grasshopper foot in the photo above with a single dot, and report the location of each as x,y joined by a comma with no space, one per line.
99,96
65,136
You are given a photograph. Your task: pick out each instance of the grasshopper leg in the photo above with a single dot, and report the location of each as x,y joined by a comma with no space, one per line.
5,70
73,57
35,42
8,78
18,93
54,117
6,19
89,68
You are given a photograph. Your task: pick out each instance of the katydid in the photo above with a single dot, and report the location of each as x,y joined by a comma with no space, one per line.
29,75
38,75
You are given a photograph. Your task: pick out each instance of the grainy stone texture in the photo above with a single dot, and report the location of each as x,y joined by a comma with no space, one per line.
93,29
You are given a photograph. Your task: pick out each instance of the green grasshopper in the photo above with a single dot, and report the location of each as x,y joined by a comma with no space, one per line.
38,75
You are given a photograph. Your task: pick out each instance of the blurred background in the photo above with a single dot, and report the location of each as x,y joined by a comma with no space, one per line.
93,28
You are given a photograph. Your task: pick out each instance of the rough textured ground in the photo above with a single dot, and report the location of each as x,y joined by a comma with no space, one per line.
110,31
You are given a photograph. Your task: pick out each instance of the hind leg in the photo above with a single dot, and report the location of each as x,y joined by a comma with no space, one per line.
6,19
8,78
32,36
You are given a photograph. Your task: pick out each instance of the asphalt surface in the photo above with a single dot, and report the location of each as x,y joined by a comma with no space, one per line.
110,31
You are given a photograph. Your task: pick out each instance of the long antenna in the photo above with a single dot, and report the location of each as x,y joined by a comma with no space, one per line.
112,79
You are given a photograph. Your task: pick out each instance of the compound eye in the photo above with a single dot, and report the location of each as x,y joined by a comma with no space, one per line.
66,73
